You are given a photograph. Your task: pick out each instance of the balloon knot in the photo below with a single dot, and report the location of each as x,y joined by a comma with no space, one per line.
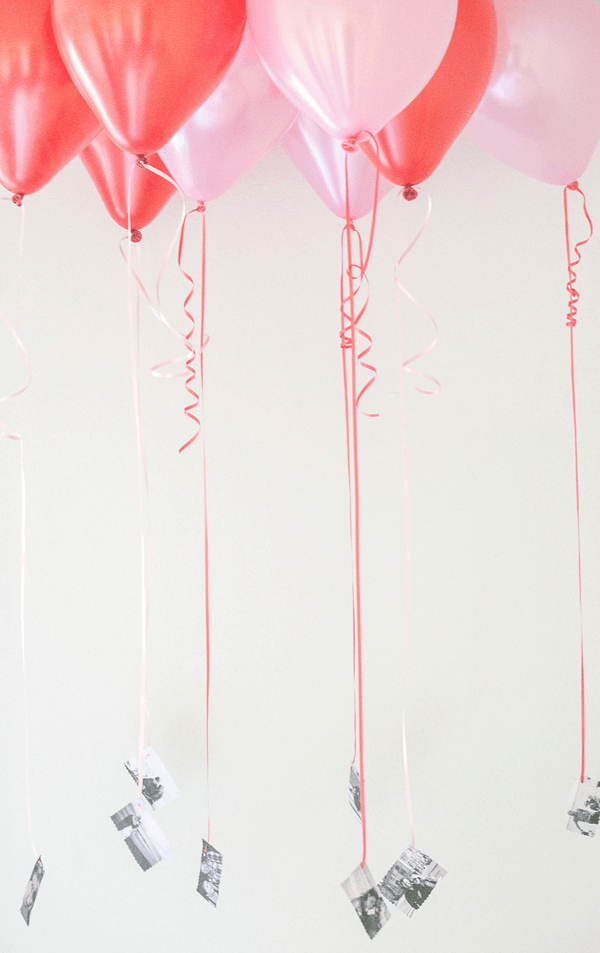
141,159
409,193
573,186
136,235
201,207
350,144
18,198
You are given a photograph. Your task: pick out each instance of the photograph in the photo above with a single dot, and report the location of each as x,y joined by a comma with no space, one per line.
33,885
142,834
354,792
209,880
364,896
410,880
584,813
158,787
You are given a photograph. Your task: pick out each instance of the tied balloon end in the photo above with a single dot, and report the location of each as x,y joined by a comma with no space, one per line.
351,143
573,186
18,198
136,235
409,193
200,207
142,160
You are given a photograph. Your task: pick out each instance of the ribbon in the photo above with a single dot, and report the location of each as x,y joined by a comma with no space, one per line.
571,323
10,433
406,364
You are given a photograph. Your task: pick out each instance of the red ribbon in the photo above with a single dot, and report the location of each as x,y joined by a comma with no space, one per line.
571,323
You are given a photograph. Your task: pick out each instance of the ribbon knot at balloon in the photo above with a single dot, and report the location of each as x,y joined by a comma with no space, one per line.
136,235
18,198
409,193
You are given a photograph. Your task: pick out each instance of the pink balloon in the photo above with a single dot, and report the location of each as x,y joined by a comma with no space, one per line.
541,111
232,130
351,65
321,160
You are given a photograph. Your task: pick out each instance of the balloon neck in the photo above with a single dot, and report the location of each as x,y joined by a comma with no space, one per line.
351,143
573,186
141,159
136,235
200,207
409,193
18,198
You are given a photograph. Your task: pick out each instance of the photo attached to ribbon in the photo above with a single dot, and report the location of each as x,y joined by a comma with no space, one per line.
354,792
367,901
33,886
141,833
584,808
410,880
211,867
158,787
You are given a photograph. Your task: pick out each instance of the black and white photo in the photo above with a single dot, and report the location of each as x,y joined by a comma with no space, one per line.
158,787
33,886
142,834
354,792
410,880
211,867
584,808
367,901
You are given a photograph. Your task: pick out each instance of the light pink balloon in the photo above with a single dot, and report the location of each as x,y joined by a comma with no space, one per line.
351,65
541,111
321,159
232,130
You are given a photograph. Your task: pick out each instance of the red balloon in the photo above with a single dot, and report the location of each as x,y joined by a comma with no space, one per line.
109,167
44,122
145,66
413,143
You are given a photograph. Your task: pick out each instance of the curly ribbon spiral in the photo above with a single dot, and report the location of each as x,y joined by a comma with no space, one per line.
10,433
355,272
406,364
571,323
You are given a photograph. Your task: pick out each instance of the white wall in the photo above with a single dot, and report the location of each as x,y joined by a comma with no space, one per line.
492,686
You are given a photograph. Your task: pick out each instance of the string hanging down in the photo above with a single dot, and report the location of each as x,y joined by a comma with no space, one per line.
571,323
194,410
405,366
354,274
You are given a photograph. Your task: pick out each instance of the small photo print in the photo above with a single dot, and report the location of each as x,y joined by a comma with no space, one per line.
158,787
142,834
410,880
33,886
367,901
584,813
209,880
354,792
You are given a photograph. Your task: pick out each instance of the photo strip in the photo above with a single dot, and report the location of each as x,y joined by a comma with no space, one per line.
584,813
354,792
410,880
367,901
31,892
211,867
142,834
158,787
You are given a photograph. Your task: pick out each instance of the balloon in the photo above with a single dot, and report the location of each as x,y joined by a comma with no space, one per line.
145,66
244,118
321,160
109,167
44,122
541,111
351,65
412,145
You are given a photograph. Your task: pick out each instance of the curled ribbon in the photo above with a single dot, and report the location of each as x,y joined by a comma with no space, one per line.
406,364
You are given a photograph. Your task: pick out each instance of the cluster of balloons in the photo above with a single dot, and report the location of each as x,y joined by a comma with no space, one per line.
204,88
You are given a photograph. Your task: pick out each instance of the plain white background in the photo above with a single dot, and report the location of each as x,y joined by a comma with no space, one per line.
491,689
